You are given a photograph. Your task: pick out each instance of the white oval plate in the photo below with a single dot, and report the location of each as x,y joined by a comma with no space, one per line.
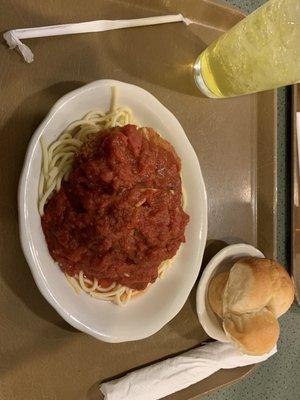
148,313
222,261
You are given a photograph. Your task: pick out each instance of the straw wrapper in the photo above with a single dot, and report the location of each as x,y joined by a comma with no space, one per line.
14,36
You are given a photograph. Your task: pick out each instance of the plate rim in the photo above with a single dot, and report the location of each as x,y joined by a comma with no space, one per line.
37,274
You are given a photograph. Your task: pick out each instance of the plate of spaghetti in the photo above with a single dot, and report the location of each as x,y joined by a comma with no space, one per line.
112,211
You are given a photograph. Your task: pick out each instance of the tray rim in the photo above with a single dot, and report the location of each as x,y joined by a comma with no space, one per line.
295,97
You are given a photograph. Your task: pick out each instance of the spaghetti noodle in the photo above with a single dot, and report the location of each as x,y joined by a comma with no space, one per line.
57,163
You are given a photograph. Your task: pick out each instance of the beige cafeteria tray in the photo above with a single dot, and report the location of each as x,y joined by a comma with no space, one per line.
41,356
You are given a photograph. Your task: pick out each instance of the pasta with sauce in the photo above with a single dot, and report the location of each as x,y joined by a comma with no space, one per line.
63,159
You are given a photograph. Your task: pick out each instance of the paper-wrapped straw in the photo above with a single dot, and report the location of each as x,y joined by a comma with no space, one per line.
13,36
174,374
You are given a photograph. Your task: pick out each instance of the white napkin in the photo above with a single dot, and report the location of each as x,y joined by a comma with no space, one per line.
13,36
169,376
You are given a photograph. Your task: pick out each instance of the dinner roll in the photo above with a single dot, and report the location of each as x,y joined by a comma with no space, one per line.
216,291
255,283
254,333
249,299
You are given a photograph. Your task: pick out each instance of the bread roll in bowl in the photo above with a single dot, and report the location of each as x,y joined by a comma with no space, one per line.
249,298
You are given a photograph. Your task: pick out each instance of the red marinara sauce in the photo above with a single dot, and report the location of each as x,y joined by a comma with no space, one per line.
120,213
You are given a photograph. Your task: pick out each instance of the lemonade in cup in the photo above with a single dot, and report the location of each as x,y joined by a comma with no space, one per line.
259,53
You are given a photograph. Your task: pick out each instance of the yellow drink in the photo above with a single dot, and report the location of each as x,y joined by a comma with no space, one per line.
259,53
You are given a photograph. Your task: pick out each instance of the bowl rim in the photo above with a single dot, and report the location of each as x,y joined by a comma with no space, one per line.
38,275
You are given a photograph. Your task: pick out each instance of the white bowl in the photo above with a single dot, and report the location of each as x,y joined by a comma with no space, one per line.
222,261
146,314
